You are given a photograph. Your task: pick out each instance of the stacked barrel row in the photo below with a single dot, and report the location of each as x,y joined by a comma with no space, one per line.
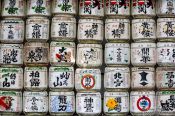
165,58
117,58
52,67
11,57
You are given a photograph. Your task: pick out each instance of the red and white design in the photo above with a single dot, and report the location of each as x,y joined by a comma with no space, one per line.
143,103
88,81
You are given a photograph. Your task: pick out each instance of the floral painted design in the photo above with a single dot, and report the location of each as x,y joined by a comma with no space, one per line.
112,104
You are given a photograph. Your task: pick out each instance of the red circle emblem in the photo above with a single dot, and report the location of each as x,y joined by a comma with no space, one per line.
88,81
143,103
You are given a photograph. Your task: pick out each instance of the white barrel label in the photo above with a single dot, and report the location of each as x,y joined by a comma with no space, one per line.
117,78
165,102
11,78
12,30
143,7
143,54
37,28
35,102
90,29
62,53
13,7
117,7
88,79
64,6
89,55
88,103
11,54
63,27
62,102
165,8
116,102
166,54
36,53
38,7
91,7
142,102
166,28
117,29
142,78
61,77
10,101
165,78
143,29
35,78
117,54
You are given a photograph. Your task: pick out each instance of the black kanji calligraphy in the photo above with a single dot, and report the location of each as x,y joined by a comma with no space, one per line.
145,55
119,57
115,5
10,33
119,101
92,31
6,83
35,55
87,7
170,7
89,104
168,105
143,5
62,103
35,81
13,78
170,77
8,58
12,9
118,79
65,6
90,55
39,8
87,82
169,29
143,79
36,31
118,32
173,55
34,106
62,79
146,30
63,29
9,79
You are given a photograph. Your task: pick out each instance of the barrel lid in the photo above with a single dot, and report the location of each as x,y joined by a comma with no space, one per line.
28,94
79,70
141,45
71,93
89,45
143,20
114,94
91,21
60,44
165,19
134,69
61,69
112,69
165,44
113,20
142,93
117,45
